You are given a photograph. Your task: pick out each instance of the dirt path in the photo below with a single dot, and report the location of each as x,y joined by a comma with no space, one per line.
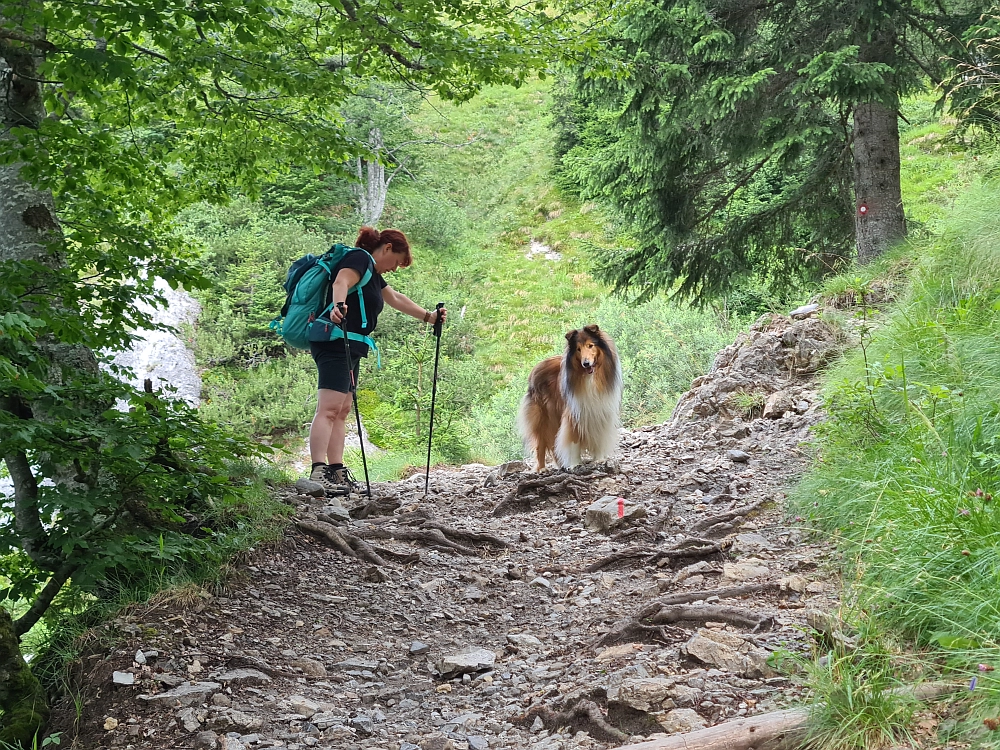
505,610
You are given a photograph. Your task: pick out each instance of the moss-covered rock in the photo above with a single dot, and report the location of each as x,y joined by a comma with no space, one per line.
24,709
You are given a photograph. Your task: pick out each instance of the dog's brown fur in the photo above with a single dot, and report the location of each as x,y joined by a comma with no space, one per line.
573,401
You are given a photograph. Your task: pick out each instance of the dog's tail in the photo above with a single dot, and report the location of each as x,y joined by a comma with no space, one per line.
525,420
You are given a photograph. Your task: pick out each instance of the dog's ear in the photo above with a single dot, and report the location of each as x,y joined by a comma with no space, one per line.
571,335
592,329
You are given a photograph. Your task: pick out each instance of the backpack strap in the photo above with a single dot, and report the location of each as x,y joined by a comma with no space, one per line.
338,333
365,278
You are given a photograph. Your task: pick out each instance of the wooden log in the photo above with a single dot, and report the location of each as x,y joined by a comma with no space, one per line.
778,730
771,731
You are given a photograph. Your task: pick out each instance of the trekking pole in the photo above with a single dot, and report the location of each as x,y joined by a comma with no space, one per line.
354,392
434,384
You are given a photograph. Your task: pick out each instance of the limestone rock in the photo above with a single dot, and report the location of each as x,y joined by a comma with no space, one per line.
468,660
777,404
729,652
310,667
244,677
123,678
610,511
801,313
309,487
523,640
745,571
681,720
644,694
303,706
206,740
185,694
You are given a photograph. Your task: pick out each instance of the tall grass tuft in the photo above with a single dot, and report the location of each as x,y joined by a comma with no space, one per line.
908,472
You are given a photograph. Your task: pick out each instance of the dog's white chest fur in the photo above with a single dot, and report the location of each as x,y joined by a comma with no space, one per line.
597,417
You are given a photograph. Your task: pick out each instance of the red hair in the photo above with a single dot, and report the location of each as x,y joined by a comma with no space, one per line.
371,239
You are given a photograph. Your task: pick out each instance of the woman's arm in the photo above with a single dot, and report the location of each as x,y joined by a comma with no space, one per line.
404,304
346,278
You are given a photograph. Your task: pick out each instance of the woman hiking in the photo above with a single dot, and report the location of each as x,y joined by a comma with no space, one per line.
387,251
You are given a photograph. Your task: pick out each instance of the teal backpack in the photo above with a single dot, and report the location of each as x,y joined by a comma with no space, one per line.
305,316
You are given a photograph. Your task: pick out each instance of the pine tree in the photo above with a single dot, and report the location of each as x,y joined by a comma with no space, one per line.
751,139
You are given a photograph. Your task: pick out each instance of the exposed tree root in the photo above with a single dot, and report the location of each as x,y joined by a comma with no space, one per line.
434,538
419,528
729,515
422,520
515,503
634,631
645,556
475,537
379,506
583,715
653,621
737,616
726,593
345,543
779,729
520,499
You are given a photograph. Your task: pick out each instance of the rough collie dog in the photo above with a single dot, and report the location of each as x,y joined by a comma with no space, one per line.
573,402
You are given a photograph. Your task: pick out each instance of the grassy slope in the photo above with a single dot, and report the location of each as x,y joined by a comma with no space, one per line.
501,181
910,458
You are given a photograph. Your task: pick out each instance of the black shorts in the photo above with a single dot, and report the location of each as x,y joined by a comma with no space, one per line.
331,361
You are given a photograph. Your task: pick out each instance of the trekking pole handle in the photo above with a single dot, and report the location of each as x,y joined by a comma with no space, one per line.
343,315
438,323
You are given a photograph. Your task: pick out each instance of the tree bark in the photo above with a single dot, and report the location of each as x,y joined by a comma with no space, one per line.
879,221
24,709
373,186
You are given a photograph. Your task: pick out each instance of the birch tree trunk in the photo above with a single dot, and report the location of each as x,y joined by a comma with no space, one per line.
372,187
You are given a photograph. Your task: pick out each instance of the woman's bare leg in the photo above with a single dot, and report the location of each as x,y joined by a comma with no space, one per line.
326,435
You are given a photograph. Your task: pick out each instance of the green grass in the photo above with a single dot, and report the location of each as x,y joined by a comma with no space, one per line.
936,167
909,462
501,184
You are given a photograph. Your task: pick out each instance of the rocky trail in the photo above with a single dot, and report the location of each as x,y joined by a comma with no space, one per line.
656,593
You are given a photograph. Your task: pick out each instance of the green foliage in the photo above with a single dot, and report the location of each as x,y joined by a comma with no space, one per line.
120,117
974,87
722,134
471,218
151,481
861,706
662,347
908,459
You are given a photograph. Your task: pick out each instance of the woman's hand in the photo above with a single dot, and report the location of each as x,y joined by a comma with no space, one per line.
338,312
431,316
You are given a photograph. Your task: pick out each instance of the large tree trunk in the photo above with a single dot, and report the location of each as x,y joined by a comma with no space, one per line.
878,218
23,705
879,221
29,231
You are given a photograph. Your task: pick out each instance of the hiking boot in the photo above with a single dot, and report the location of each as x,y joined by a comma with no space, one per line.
324,476
338,481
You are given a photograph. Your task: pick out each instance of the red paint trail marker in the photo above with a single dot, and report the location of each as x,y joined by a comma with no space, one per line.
621,507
